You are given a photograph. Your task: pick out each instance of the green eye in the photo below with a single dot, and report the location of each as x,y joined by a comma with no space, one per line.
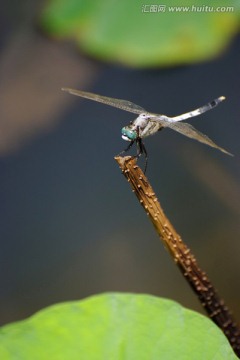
130,134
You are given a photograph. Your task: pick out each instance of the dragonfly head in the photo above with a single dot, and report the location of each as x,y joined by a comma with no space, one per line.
129,134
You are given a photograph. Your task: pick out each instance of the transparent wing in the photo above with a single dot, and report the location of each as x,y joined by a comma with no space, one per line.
199,111
118,103
189,131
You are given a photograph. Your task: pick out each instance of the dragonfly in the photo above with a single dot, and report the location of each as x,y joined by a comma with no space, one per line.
148,123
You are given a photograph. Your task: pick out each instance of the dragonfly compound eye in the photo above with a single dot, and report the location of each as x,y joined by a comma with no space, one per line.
128,134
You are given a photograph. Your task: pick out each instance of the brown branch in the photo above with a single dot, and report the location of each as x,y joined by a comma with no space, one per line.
210,300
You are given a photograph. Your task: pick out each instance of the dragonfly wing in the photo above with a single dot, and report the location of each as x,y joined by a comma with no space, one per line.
189,131
118,103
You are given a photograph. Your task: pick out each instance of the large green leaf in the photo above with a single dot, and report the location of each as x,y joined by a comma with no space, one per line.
136,33
113,327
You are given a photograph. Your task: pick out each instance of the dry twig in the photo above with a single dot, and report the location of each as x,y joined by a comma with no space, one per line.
210,300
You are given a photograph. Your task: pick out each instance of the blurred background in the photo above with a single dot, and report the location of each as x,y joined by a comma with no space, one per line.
70,226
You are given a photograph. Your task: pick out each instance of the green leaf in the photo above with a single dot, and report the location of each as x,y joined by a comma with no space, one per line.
115,326
136,34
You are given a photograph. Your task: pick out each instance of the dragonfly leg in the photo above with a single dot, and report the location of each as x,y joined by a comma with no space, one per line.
128,148
142,150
